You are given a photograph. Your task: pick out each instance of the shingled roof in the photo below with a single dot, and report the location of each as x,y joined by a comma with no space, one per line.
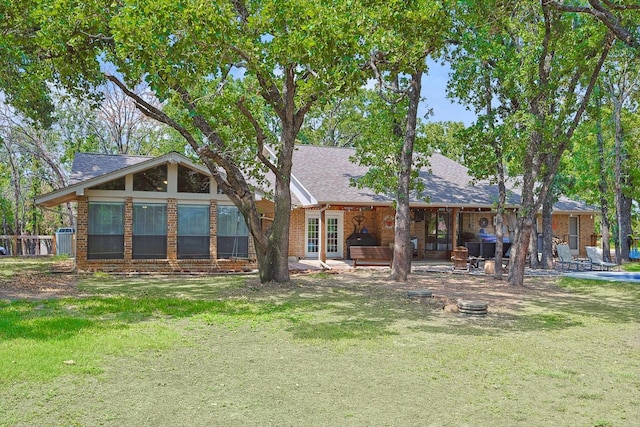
326,173
90,165
322,176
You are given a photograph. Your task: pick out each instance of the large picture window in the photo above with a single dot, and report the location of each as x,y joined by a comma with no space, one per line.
193,232
149,231
117,184
154,179
233,235
105,231
191,181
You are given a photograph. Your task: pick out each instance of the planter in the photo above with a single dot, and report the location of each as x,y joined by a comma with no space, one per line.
489,267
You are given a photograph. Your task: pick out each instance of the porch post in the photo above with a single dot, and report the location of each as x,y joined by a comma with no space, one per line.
454,226
172,229
128,230
323,236
213,230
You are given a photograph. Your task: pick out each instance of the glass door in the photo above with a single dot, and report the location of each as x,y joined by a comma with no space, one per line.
573,234
438,231
334,234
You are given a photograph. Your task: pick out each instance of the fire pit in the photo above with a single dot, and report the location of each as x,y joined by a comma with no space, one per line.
474,308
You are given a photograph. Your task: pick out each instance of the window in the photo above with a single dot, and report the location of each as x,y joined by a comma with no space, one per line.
333,240
154,179
190,181
313,235
116,184
233,235
105,238
149,231
193,232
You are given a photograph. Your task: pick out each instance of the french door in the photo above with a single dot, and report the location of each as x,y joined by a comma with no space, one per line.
333,243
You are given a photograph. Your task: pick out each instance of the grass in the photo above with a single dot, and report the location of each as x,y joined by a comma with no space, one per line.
225,350
633,266
14,267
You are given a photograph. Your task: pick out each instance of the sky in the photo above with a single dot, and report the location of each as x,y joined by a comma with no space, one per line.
434,87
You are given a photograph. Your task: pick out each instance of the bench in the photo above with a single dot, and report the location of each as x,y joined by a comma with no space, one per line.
371,255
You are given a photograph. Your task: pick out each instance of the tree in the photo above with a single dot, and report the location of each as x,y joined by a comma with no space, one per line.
404,34
479,60
446,138
222,68
34,156
610,178
122,129
339,123
559,88
620,84
547,68
23,79
620,17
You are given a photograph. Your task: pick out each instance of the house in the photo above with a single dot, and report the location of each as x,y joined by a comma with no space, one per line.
165,213
162,213
451,211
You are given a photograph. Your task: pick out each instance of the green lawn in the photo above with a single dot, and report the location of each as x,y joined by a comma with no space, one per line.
225,350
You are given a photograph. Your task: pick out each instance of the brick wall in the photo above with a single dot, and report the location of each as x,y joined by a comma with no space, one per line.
172,229
560,227
213,227
166,266
587,230
386,218
82,228
128,228
296,233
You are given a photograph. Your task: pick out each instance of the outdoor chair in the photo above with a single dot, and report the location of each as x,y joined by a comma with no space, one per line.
565,257
595,257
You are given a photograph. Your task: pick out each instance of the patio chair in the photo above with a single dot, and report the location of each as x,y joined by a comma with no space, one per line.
565,257
595,257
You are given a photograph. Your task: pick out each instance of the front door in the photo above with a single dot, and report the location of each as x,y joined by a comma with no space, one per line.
333,243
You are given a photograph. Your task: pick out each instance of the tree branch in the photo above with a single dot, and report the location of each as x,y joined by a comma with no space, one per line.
604,15
260,136
205,153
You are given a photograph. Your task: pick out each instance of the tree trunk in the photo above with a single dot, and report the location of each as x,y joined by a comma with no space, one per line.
499,242
502,190
547,232
625,228
534,261
500,217
542,158
603,186
401,265
519,250
620,182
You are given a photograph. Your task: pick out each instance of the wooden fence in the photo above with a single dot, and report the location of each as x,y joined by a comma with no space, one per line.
28,245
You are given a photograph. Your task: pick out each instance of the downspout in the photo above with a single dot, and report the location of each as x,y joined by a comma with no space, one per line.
321,240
